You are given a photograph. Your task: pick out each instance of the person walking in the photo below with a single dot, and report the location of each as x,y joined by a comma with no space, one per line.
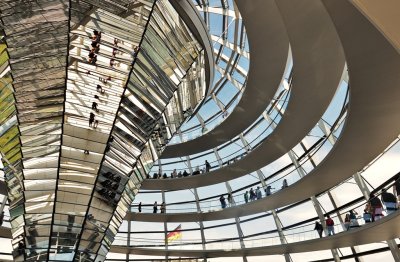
319,228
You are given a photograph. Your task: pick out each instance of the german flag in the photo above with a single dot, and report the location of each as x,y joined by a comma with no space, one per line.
174,235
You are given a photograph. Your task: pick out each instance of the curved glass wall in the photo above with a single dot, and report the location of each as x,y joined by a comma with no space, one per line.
230,48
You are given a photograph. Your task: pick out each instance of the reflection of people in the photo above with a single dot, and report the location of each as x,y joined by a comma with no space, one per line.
140,207
91,119
96,36
1,218
21,247
94,106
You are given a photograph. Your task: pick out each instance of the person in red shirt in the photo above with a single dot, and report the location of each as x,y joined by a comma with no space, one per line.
330,225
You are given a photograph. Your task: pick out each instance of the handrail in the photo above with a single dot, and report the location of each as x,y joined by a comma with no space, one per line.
386,185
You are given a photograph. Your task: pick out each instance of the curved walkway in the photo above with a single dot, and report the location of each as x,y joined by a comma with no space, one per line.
384,229
268,39
318,67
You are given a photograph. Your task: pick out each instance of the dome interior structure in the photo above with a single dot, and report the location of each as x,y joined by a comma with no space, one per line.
199,130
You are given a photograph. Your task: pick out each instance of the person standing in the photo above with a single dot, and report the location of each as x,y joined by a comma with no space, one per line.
353,218
174,174
347,222
390,201
319,228
284,183
330,225
246,197
258,193
367,216
21,247
268,190
155,208
208,166
91,119
163,207
252,194
230,199
140,207
376,207
222,200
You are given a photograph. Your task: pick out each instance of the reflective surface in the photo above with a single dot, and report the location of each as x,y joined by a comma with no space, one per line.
100,88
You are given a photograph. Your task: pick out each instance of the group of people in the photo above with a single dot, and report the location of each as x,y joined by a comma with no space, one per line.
224,200
373,211
175,174
155,207
252,195
92,59
96,38
110,185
